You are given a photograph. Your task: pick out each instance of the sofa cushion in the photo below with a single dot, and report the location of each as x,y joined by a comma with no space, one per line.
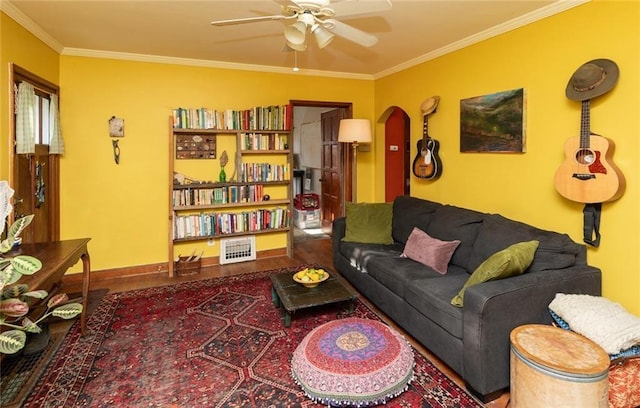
432,298
409,212
429,251
450,223
556,251
369,223
511,261
359,254
398,273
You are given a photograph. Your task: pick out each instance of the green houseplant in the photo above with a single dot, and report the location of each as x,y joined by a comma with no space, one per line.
16,299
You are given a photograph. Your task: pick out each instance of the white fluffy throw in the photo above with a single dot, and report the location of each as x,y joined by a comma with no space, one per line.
605,322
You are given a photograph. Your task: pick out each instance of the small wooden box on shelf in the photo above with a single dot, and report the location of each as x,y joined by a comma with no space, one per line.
257,200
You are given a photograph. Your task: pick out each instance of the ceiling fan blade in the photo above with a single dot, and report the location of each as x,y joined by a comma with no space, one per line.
286,3
359,7
350,33
249,20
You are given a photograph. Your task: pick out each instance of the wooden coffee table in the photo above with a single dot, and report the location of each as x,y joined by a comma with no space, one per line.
291,296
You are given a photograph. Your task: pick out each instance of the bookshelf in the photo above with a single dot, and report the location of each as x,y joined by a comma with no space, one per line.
257,196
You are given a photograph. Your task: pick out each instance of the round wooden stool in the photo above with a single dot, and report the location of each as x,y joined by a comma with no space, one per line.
552,367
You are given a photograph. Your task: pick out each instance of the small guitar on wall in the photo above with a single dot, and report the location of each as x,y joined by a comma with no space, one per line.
427,164
587,175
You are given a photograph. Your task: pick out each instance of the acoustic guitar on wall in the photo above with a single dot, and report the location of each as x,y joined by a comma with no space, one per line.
588,175
427,164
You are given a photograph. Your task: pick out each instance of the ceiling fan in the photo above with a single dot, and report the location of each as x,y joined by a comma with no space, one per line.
316,17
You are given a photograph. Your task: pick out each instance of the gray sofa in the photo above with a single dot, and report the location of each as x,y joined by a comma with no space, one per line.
472,340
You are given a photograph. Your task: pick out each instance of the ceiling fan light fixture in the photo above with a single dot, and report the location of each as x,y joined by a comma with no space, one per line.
323,37
297,47
296,33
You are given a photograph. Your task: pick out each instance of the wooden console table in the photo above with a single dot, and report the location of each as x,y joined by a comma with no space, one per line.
56,258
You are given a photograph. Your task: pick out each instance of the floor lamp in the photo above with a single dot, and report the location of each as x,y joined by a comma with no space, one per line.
354,131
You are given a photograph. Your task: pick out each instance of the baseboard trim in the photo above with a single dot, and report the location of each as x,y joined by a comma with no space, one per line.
155,269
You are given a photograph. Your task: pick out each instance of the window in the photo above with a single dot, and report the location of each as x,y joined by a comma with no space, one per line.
43,91
41,116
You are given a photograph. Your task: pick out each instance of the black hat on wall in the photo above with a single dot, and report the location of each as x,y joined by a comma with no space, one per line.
592,79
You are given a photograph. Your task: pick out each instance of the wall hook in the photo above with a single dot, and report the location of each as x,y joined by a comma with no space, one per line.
116,151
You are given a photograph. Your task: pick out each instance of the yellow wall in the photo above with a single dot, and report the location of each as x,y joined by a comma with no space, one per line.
20,47
124,208
540,58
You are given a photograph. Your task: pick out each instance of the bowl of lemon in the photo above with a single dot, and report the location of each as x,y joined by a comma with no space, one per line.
311,277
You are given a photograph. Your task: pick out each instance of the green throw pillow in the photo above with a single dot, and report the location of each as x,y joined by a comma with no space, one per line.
369,223
511,261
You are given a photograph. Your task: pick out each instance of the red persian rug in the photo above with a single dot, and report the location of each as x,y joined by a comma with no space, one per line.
210,343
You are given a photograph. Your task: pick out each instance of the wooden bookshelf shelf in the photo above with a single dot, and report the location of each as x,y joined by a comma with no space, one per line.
233,234
228,184
264,152
196,208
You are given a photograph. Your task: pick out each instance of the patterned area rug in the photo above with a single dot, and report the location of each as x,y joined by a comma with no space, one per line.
211,343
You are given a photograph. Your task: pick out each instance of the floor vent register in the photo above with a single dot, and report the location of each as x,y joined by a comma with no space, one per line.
234,250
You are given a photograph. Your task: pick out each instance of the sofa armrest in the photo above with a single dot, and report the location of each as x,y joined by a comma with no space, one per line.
493,309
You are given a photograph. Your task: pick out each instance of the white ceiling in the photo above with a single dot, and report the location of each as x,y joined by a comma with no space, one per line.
411,32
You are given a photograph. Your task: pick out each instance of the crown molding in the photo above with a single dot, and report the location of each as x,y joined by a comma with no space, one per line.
158,59
20,18
521,21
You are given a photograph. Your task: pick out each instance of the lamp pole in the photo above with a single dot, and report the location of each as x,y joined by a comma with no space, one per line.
354,131
354,172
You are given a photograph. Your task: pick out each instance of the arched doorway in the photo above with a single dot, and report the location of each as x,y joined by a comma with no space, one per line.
397,148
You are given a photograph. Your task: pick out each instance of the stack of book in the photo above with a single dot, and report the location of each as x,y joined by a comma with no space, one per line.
261,141
213,224
252,172
273,117
218,195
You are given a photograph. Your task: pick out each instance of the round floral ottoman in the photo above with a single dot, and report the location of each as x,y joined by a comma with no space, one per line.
353,362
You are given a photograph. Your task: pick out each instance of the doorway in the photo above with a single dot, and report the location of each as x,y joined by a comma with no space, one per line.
35,176
319,166
397,148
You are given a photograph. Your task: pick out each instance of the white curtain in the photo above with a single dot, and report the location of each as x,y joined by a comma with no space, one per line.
56,144
25,120
6,207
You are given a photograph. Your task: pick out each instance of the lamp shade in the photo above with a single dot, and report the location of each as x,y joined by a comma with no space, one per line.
354,130
296,33
323,37
296,47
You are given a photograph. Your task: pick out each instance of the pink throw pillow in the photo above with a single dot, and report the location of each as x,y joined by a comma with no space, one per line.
429,251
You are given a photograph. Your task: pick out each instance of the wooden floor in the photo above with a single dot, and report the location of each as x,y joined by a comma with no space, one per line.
312,251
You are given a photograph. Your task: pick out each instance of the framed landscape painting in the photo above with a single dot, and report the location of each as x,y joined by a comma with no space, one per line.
493,123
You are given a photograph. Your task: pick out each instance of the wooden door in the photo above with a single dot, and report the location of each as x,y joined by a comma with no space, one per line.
332,165
35,189
36,177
